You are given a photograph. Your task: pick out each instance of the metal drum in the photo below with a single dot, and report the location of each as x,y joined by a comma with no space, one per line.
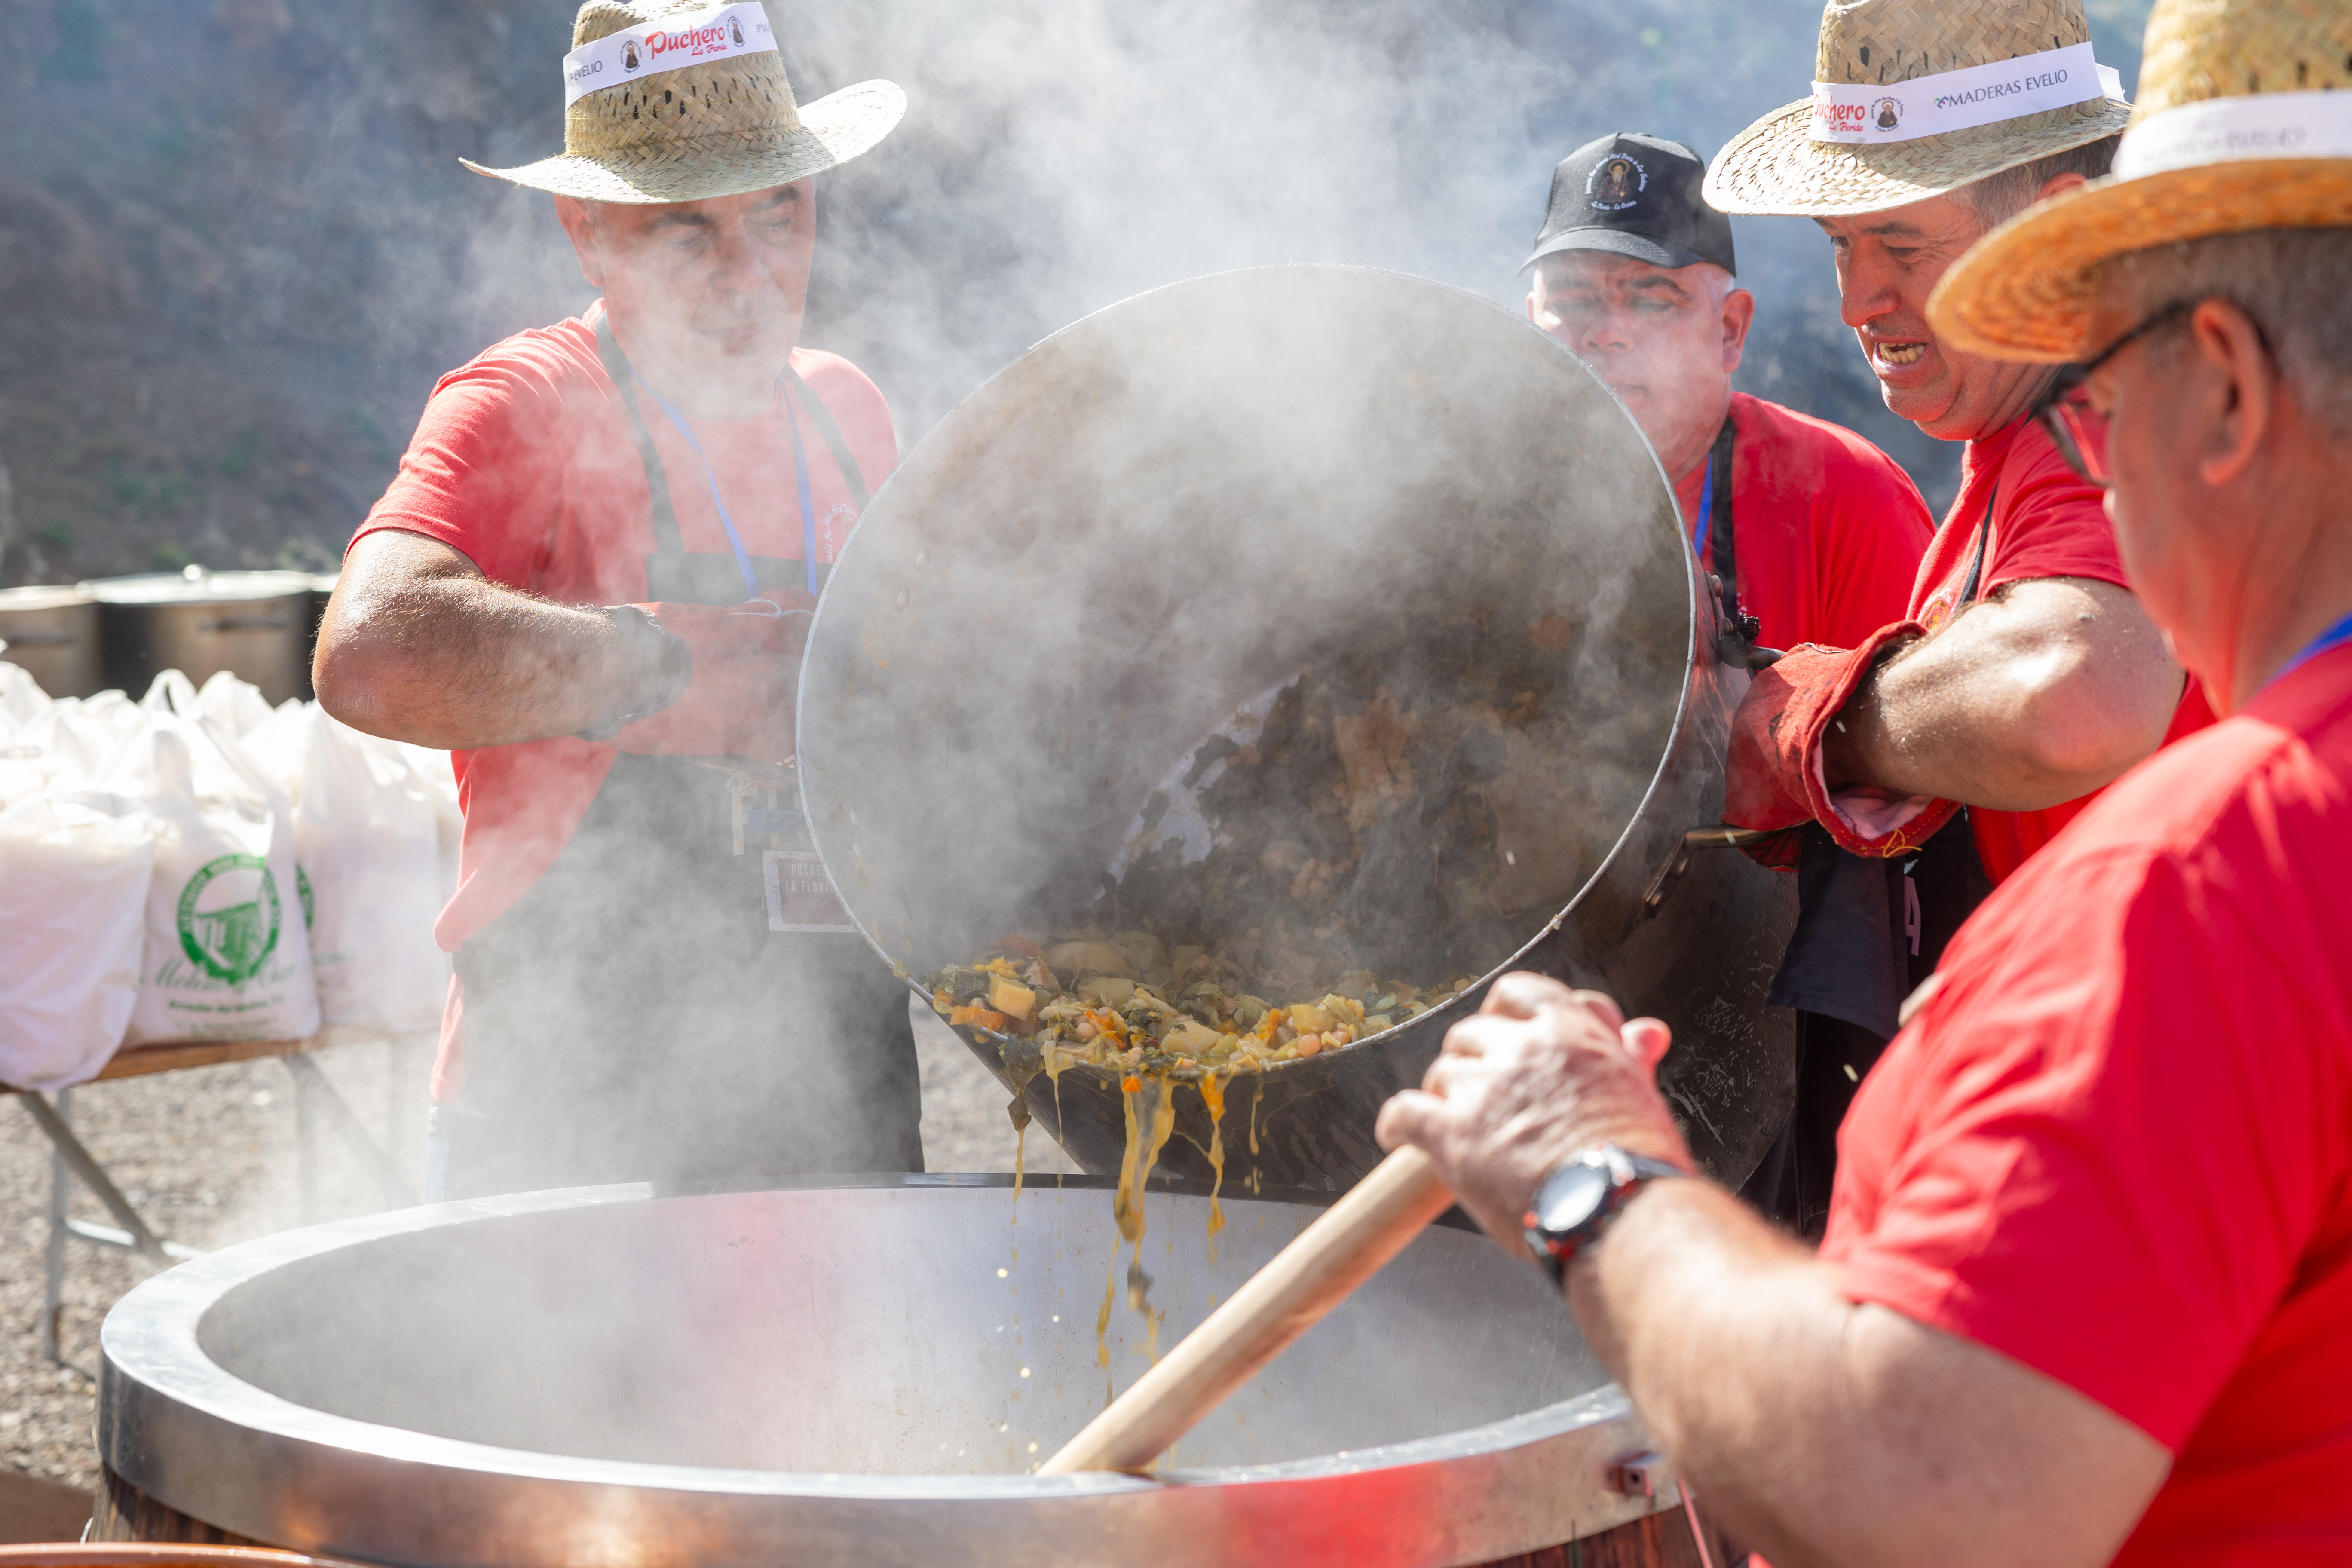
255,625
52,634
856,1371
1162,513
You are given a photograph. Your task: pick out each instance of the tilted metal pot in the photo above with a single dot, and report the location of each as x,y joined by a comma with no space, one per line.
1161,513
255,625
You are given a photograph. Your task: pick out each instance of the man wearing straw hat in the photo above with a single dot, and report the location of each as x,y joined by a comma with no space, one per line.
591,580
2025,675
2086,1293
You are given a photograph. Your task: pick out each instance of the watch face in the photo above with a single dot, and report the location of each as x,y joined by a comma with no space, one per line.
1573,1195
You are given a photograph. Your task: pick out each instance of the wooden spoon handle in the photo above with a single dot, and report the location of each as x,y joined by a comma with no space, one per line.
1344,1247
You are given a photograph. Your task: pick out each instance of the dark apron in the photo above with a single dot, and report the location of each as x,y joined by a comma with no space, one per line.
1869,930
646,1012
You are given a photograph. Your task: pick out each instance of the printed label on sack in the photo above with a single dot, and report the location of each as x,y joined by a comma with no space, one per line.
800,895
229,918
693,38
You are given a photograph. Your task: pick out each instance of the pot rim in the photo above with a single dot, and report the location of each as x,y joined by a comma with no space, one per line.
153,1362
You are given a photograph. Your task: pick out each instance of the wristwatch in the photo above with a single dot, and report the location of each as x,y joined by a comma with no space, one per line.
1575,1203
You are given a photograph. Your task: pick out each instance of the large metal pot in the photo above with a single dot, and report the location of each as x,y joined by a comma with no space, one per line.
858,1370
255,625
1156,514
52,634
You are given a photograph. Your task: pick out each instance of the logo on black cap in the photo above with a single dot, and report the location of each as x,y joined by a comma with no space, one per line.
1615,183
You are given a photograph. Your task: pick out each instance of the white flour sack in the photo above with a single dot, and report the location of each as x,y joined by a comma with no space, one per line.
367,834
226,956
74,874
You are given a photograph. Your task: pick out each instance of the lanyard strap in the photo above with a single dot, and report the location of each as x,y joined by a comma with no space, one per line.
2333,637
656,481
1715,521
1969,589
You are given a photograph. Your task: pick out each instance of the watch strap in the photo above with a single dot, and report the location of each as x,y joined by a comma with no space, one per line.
1628,1174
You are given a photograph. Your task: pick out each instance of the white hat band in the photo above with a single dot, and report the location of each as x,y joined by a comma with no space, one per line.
1845,111
674,42
2237,131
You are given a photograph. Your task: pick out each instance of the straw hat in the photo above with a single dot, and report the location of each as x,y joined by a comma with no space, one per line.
1914,98
2227,84
697,107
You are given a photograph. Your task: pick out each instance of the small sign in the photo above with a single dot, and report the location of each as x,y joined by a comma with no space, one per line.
800,895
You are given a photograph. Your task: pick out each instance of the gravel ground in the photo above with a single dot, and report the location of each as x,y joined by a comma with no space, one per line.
212,1156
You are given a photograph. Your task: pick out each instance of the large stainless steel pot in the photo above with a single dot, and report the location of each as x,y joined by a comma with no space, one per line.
52,634
1137,528
257,625
859,1371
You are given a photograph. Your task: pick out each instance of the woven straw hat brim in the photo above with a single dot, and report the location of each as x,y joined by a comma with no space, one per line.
834,130
1775,168
2023,292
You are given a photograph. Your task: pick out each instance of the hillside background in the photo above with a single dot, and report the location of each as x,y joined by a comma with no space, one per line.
236,247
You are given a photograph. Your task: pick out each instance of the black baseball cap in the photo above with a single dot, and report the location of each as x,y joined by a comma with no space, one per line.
1634,195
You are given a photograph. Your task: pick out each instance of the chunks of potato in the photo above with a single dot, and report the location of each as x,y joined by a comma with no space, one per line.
1143,950
1307,1018
1191,1037
1011,998
1099,956
1106,991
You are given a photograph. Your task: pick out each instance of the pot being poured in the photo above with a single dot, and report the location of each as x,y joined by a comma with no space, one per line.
1403,558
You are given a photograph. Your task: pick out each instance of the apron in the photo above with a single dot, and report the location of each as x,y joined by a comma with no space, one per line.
1869,930
681,997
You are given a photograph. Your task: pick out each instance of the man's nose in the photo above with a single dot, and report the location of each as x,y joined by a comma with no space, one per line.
1602,332
1865,291
738,267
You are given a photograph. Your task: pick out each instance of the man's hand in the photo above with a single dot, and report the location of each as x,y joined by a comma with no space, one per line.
747,667
1537,1076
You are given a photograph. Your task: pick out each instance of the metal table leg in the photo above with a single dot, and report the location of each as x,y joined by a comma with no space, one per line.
53,1297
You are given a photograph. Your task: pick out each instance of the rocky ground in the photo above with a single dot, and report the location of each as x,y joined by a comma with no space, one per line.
213,1156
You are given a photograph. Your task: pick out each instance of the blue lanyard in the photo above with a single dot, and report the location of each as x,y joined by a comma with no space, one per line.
800,476
2333,637
1705,509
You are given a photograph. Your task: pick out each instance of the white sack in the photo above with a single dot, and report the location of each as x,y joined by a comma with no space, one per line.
235,705
22,700
226,955
74,877
281,745
367,834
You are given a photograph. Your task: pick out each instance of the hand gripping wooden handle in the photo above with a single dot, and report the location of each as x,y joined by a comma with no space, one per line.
1289,1296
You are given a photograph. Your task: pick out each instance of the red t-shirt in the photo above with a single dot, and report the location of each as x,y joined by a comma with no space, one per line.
2047,521
2114,1147
524,460
1827,530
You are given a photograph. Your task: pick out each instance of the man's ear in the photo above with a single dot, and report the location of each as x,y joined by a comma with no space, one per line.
2241,396
573,213
1738,315
2057,183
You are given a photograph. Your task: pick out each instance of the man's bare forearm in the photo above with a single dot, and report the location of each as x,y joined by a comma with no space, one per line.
418,645
1823,1432
2036,696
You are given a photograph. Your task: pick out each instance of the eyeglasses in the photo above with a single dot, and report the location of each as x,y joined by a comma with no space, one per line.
2075,427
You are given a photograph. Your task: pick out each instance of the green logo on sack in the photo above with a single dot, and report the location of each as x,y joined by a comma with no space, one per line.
302,890
229,918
